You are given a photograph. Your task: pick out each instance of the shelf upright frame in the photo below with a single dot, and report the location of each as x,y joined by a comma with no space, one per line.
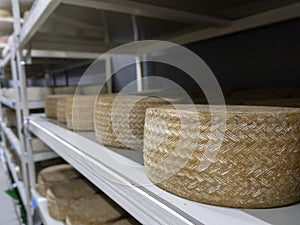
19,116
22,110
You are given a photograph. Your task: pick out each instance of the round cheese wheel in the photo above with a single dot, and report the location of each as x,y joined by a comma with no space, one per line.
256,165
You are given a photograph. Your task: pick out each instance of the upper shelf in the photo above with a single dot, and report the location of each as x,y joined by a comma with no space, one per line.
122,176
31,104
156,20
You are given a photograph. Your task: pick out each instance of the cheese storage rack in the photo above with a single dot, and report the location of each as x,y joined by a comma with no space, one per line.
113,177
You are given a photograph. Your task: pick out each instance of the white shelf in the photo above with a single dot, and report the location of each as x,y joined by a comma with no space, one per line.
12,168
31,104
120,174
43,210
44,155
36,104
8,20
15,143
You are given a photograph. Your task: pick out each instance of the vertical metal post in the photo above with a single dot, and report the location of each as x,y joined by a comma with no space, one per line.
139,73
24,155
67,77
19,78
16,14
25,110
138,58
108,73
1,108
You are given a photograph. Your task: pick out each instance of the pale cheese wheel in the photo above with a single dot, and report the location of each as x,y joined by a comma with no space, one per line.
5,13
61,110
80,112
94,209
54,175
119,119
51,105
61,196
37,145
256,166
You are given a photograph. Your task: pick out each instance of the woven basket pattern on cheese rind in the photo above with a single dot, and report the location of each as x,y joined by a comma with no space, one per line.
257,166
80,112
61,196
61,110
51,105
94,209
54,175
104,126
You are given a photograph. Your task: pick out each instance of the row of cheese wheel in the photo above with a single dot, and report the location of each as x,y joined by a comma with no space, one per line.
73,199
237,156
118,125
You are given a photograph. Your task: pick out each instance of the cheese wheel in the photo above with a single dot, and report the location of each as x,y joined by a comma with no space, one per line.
37,145
61,110
94,209
61,196
80,112
4,13
119,119
256,166
54,175
51,105
33,93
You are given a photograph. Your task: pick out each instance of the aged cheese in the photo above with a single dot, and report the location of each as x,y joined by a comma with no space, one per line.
119,120
61,110
80,112
257,165
51,105
53,175
61,196
94,209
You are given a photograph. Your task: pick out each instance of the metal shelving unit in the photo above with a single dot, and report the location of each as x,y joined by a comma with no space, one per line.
120,174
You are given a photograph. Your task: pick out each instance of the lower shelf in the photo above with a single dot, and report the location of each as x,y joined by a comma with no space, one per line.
15,144
121,175
44,155
41,206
